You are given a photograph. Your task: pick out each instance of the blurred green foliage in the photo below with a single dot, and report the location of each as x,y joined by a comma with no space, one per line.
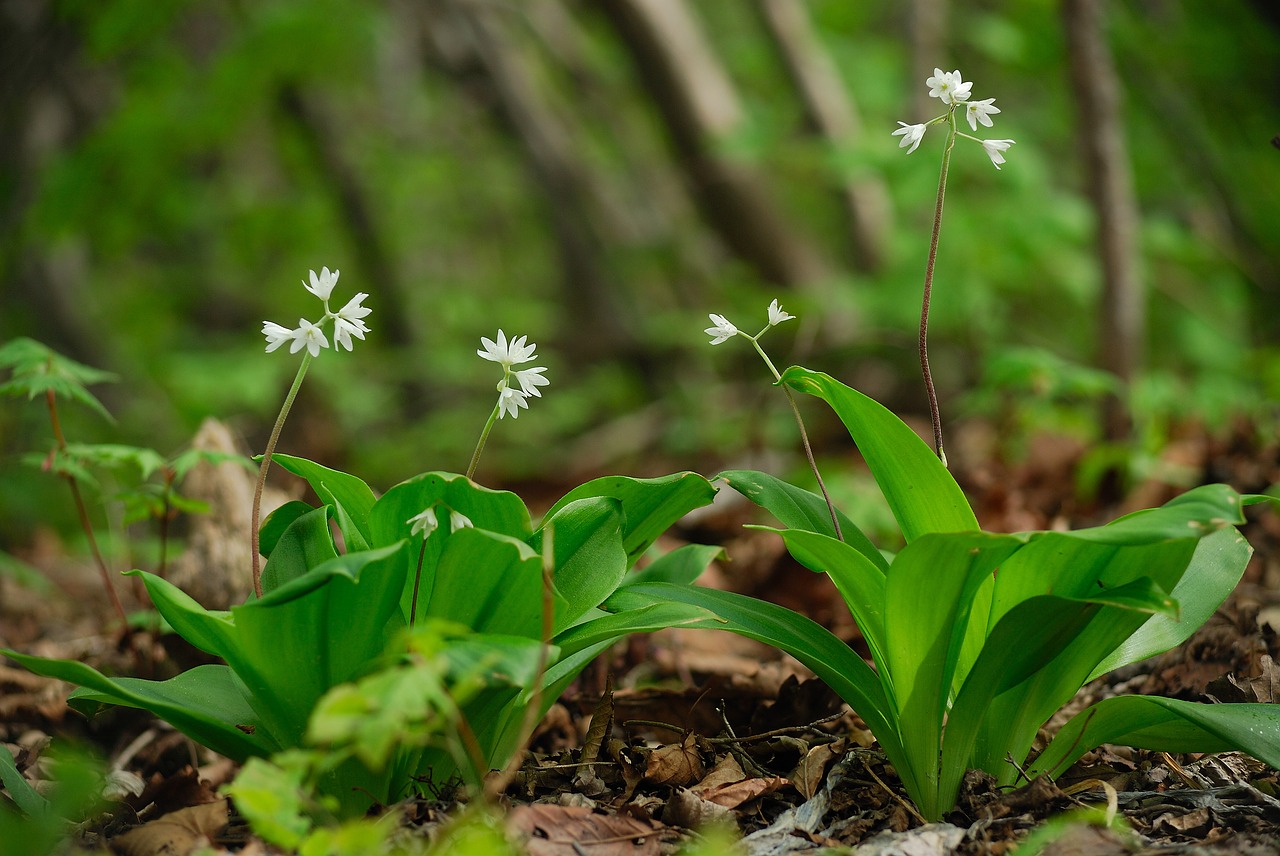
176,178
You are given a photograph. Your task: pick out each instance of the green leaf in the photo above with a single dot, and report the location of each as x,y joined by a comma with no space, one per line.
650,506
860,582
1166,725
613,626
277,522
497,511
681,566
590,561
928,596
1027,641
316,631
809,642
1215,570
112,456
270,796
204,703
489,583
351,498
305,544
797,508
24,796
921,492
38,369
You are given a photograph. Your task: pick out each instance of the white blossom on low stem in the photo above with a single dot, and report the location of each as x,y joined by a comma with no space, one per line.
722,329
308,336
276,335
530,379
322,286
507,354
458,520
510,400
911,135
980,111
995,150
948,86
777,314
424,522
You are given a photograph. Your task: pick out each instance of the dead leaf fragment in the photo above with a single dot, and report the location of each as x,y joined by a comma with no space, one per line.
685,808
176,834
807,776
675,765
552,830
735,794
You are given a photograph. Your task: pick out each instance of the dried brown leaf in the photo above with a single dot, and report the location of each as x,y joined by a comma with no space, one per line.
675,765
552,830
177,833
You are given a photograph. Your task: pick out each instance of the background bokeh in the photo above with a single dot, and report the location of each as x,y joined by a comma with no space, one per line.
171,169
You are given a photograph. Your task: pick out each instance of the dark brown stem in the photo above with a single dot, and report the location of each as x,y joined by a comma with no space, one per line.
934,413
417,579
83,513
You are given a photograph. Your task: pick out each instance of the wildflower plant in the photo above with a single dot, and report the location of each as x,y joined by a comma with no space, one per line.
509,611
954,92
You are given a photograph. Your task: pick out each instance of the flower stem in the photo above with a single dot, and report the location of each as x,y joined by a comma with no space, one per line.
484,436
82,512
804,435
928,290
262,472
417,578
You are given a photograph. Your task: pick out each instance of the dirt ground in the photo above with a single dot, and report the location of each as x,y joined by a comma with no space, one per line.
682,729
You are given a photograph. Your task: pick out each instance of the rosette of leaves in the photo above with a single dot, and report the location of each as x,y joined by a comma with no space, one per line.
333,607
978,638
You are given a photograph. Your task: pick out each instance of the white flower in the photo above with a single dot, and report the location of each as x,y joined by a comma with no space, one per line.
458,520
980,111
310,336
530,380
322,286
276,335
510,401
723,329
424,522
506,353
995,150
948,86
911,135
777,315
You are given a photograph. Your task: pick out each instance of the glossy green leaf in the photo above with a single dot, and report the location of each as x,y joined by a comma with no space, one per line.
204,703
928,595
921,492
350,497
650,506
1166,725
613,626
24,796
1215,570
590,560
497,511
797,508
277,522
681,566
860,582
489,583
305,544
1028,641
809,642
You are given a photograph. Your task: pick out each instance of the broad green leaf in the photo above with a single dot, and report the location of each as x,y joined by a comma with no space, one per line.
613,626
350,497
498,511
489,583
305,544
797,508
921,493
1028,639
321,629
590,561
809,642
928,594
860,582
277,522
1166,725
1215,570
650,506
681,566
203,703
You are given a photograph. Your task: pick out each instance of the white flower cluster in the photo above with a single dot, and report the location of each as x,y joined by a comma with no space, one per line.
723,329
954,91
517,385
347,321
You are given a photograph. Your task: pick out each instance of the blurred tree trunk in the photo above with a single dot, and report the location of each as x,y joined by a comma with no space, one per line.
1096,91
472,41
699,106
833,114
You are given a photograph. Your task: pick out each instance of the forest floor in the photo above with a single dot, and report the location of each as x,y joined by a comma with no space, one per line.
682,729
